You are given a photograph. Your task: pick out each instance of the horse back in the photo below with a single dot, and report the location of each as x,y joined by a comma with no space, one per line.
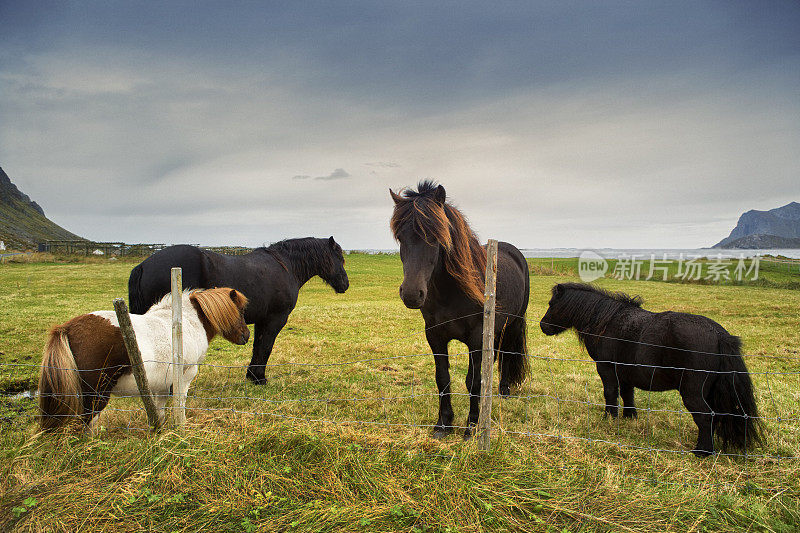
150,280
269,286
660,350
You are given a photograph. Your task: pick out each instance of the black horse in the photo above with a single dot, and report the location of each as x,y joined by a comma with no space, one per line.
662,351
270,277
443,276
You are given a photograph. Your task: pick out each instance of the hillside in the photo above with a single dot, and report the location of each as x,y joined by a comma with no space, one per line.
760,241
23,223
779,225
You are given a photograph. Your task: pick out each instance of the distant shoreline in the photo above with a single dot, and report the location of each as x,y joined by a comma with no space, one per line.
644,253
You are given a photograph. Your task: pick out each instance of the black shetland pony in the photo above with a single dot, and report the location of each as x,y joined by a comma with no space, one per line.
270,277
662,351
443,276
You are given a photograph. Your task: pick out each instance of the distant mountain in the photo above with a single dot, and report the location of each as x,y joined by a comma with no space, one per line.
761,241
22,221
776,228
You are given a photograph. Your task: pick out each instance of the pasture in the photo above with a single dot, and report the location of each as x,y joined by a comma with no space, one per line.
338,437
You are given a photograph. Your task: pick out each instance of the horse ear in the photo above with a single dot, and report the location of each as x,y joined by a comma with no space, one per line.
234,296
396,197
440,194
331,242
558,290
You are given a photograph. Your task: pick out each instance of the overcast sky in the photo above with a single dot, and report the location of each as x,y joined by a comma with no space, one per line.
550,124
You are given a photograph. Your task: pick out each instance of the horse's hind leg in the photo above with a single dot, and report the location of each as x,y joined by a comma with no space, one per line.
505,353
626,391
505,362
608,376
695,403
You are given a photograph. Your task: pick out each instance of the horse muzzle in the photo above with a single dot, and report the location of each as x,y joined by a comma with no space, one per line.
342,286
551,329
413,299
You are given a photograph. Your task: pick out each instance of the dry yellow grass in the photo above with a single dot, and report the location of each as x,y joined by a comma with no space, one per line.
346,448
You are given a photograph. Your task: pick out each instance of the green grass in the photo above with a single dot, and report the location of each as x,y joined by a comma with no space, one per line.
346,447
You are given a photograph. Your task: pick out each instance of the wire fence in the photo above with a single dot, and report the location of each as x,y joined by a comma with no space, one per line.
560,404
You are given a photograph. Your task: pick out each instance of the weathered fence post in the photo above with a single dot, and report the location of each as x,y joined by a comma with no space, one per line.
137,366
178,399
487,361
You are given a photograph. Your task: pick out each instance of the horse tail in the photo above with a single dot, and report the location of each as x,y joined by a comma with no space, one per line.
519,366
736,421
135,297
514,352
59,382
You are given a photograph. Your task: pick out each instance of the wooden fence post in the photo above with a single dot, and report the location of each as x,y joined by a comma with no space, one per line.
178,399
487,361
137,366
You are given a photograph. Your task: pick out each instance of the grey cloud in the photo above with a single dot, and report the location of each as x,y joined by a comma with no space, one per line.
337,174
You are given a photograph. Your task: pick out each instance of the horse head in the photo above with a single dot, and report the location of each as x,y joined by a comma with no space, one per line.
555,320
334,273
422,229
222,310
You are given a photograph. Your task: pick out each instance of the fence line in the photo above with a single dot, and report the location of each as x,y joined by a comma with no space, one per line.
412,396
560,431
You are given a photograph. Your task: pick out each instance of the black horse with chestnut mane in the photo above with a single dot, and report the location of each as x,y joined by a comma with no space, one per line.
443,276
662,351
270,277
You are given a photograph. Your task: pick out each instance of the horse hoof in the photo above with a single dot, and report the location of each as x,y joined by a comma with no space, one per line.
441,432
467,434
629,414
505,391
257,380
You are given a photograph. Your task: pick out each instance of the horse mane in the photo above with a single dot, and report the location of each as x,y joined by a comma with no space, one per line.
219,308
307,254
590,307
443,224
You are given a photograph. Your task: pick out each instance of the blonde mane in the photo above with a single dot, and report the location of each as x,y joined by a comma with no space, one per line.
221,311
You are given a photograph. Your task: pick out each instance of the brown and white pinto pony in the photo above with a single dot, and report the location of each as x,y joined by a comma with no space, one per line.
85,360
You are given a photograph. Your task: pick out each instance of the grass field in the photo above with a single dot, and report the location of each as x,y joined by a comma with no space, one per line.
345,447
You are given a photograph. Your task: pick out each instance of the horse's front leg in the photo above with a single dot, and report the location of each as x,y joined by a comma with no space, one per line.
265,334
444,424
474,388
189,373
160,400
255,371
608,376
626,391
